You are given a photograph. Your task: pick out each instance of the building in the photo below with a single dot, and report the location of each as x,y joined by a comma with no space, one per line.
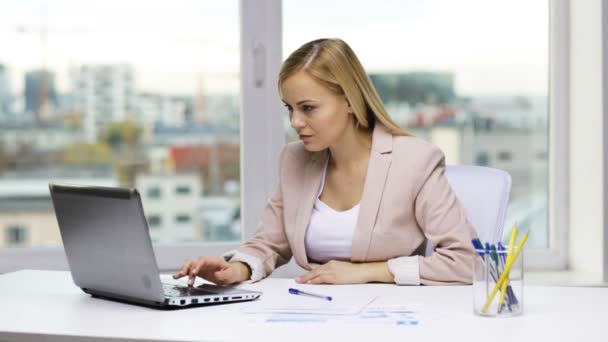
41,138
40,94
27,218
196,135
523,154
179,112
159,159
102,94
217,164
220,218
170,203
415,87
221,109
5,93
170,111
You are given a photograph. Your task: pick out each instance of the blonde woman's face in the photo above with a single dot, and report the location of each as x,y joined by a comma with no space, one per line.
319,116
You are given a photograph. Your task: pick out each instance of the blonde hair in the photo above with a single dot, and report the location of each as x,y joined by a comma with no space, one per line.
333,63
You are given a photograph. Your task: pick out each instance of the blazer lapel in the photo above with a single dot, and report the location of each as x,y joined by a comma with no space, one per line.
308,195
377,172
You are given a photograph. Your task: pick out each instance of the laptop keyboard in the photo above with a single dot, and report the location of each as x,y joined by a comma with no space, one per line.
184,291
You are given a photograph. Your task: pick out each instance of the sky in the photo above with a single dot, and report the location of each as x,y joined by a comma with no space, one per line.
493,47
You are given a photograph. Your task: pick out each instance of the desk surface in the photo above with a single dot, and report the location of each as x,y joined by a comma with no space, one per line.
47,306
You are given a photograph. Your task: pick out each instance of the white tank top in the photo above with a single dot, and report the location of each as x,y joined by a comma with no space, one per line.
329,235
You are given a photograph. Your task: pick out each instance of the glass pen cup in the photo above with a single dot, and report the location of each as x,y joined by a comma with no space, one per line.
490,267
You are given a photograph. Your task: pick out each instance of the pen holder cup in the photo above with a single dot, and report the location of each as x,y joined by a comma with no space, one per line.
489,268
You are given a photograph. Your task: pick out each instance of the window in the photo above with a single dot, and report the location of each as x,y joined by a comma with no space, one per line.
182,63
482,159
460,75
504,156
97,93
182,190
153,192
182,218
177,93
16,235
154,221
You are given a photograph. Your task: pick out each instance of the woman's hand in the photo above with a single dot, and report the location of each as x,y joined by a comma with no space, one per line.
341,272
215,270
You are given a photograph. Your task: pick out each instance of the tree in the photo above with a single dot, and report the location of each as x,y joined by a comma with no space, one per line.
121,133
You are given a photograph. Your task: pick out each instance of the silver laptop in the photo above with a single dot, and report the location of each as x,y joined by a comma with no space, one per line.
109,251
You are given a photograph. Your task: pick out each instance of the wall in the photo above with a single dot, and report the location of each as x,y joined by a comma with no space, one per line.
586,243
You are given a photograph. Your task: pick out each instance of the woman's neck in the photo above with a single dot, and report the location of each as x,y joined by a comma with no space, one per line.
352,152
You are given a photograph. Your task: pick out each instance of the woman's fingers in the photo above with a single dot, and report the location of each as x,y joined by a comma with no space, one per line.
310,275
203,267
218,263
198,266
321,279
209,264
184,270
214,269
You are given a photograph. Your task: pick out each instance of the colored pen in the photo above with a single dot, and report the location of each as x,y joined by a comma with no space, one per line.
503,256
505,274
494,256
481,250
478,246
304,293
493,266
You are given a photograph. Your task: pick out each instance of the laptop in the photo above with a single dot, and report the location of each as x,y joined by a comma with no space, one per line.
110,255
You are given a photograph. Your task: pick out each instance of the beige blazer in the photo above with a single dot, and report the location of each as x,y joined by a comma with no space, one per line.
406,200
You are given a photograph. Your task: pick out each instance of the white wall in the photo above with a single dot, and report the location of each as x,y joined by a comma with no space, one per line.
586,236
605,127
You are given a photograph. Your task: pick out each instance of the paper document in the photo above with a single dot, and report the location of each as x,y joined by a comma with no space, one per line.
391,315
286,303
394,315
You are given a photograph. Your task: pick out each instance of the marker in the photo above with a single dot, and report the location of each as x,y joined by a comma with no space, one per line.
303,293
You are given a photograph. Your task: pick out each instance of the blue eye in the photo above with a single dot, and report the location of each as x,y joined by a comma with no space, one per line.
308,108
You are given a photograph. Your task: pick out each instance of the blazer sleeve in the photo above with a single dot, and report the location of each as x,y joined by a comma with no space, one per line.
443,220
269,247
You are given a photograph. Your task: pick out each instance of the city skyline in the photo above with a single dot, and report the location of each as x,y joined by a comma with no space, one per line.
201,40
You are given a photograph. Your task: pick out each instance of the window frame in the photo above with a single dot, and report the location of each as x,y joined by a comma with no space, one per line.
605,133
262,137
556,255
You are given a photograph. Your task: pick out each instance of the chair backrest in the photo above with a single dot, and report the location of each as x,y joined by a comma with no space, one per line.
484,193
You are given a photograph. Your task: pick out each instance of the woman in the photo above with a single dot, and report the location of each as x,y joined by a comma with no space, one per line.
357,197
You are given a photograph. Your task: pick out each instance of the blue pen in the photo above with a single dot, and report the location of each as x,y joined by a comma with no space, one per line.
490,257
480,251
304,293
478,246
502,248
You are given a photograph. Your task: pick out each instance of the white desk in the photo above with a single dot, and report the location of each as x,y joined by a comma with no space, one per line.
47,306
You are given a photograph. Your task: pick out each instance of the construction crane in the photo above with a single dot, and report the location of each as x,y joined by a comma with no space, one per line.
43,89
44,105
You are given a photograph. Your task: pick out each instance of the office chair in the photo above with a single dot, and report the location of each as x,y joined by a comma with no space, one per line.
484,193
